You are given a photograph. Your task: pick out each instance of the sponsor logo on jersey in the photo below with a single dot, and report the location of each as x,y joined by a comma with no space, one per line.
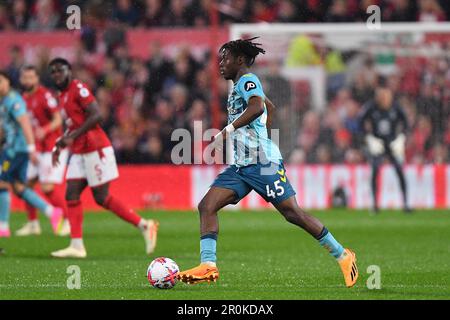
249,85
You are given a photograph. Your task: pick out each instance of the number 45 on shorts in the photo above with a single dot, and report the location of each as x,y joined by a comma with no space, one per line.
278,190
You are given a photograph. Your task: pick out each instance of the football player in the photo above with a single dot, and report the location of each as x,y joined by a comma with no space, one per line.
18,149
47,124
258,165
92,162
384,125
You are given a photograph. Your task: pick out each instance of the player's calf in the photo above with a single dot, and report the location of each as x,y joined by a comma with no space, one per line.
148,228
345,257
55,214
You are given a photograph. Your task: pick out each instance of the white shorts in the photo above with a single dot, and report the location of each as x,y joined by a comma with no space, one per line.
91,167
45,171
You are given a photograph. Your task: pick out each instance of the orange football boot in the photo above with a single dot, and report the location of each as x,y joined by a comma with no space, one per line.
349,268
202,273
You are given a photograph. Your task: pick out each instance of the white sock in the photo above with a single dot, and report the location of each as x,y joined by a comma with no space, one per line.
342,256
77,243
4,225
142,225
209,263
49,210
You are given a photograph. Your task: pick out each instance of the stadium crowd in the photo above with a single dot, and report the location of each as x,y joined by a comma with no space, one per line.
143,101
48,14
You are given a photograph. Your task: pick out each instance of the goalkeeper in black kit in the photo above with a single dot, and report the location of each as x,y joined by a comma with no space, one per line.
385,125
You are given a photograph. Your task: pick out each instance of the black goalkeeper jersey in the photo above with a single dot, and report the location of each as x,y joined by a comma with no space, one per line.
383,124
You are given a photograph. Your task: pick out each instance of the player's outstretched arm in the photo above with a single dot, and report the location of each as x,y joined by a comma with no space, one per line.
27,130
25,124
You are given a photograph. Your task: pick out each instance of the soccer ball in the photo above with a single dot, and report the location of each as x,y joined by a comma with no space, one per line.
162,273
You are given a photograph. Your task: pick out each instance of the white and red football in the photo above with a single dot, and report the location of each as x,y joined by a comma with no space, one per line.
162,273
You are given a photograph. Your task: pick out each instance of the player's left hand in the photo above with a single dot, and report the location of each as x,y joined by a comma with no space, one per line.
55,156
64,142
398,147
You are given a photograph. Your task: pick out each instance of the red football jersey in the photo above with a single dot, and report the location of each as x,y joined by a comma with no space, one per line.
74,101
41,105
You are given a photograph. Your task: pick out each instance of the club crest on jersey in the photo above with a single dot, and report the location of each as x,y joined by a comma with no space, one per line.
249,85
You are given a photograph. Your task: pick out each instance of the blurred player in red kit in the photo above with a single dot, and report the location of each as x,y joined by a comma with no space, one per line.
47,126
92,162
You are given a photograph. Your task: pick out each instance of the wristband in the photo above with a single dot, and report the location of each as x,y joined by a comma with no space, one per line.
31,148
229,128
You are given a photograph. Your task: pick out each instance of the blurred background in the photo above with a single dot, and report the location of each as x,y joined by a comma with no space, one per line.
153,67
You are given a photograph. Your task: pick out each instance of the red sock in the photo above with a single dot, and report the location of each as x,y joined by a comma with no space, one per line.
121,210
75,214
31,212
57,200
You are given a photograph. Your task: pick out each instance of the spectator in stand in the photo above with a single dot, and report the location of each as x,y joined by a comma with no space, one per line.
288,12
297,156
317,9
400,11
152,151
430,11
439,154
198,13
429,104
421,140
45,17
103,96
153,13
302,52
338,12
4,19
126,12
234,11
323,155
263,11
17,62
19,15
176,14
309,133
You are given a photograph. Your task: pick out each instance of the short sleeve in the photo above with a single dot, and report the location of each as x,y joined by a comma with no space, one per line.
84,95
249,86
17,106
50,102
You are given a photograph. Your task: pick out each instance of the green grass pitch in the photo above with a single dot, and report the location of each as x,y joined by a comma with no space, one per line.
260,257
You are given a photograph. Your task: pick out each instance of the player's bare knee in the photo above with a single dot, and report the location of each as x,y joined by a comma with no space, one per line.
47,188
100,199
295,216
18,188
291,216
206,207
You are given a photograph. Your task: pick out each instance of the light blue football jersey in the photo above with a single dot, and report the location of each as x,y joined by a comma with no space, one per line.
251,144
12,106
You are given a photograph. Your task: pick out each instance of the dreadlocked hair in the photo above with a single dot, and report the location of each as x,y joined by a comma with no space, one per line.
244,47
